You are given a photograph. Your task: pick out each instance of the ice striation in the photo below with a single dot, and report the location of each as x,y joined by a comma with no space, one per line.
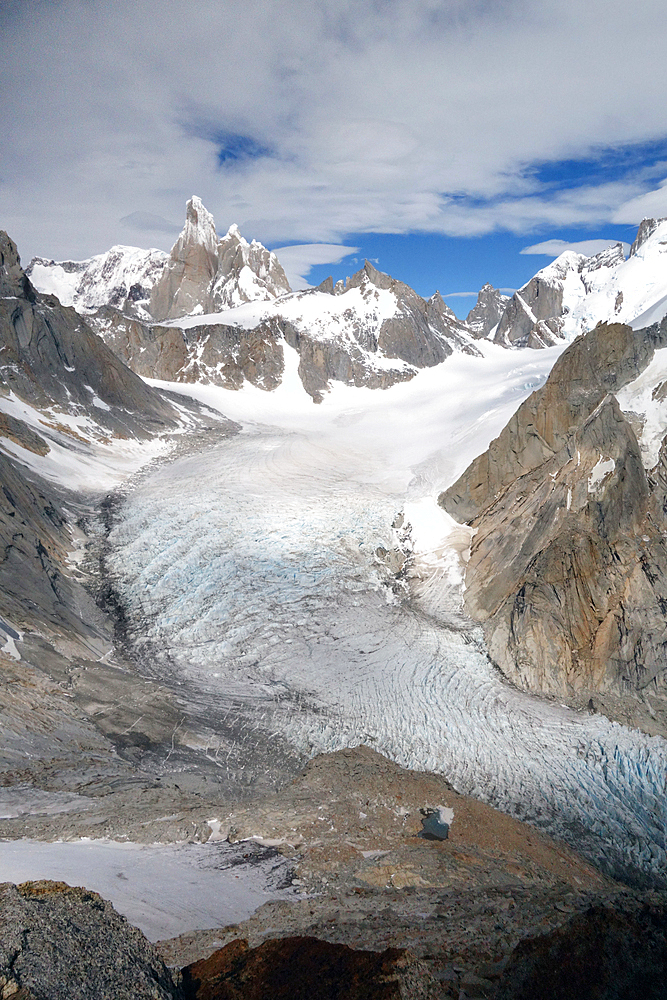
265,573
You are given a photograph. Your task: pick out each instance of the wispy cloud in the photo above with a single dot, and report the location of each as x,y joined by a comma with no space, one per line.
319,120
554,248
147,222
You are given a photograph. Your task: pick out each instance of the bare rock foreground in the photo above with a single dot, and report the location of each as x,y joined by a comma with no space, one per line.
489,908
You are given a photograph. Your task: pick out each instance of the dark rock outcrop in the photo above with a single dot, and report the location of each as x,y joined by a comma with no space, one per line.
63,943
568,566
302,968
608,952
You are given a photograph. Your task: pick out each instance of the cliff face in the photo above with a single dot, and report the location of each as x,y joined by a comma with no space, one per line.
50,357
568,567
373,331
70,944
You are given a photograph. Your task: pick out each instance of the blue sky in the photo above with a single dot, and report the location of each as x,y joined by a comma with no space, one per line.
439,137
430,262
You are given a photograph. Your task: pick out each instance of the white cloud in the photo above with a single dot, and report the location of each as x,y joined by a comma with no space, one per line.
297,261
554,248
651,205
460,295
407,115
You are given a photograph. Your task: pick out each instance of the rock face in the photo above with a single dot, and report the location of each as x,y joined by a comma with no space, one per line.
50,357
62,943
190,269
213,352
604,953
568,567
203,275
574,293
370,331
487,311
246,272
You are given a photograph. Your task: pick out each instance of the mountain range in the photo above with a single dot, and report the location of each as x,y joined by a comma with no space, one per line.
220,311
557,540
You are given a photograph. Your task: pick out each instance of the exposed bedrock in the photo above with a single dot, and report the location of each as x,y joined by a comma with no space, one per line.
568,565
212,352
64,943
50,356
366,349
204,274
487,311
535,315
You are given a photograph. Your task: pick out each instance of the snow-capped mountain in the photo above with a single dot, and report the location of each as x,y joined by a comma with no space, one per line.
123,278
222,311
202,274
574,293
371,331
205,275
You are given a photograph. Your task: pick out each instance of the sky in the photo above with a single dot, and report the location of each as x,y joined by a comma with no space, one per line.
452,142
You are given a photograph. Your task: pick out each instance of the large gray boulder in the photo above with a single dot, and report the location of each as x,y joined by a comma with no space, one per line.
64,943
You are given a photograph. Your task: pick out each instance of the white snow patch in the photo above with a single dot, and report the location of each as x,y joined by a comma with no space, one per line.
96,401
10,649
55,280
445,814
638,397
602,468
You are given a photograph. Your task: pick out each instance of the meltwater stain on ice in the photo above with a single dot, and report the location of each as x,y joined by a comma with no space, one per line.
251,572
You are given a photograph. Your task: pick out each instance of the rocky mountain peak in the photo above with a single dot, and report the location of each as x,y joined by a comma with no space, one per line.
199,229
13,279
437,303
611,257
487,311
646,229
368,274
206,275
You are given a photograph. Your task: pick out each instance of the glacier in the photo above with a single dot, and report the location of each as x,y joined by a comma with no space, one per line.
261,573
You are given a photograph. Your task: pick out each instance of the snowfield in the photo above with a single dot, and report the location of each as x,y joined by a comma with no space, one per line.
263,571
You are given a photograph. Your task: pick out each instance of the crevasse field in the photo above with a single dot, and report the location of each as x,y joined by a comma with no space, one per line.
252,572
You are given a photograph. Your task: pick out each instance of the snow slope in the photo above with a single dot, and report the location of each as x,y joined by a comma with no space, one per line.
574,293
113,278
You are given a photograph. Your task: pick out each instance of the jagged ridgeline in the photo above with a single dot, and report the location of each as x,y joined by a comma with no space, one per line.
62,391
222,311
